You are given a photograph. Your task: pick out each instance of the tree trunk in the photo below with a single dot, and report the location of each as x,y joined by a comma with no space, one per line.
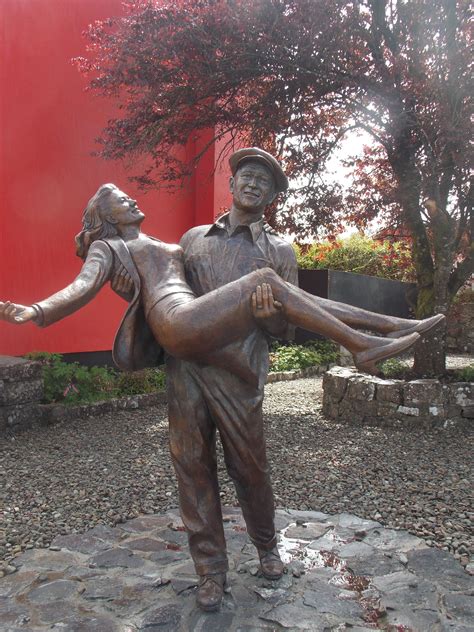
430,353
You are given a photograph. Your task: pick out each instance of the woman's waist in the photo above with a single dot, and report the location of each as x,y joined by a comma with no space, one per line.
170,295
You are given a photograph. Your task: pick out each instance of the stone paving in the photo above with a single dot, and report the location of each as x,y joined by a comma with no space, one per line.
343,573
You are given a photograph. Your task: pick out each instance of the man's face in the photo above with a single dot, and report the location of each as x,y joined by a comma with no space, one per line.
252,187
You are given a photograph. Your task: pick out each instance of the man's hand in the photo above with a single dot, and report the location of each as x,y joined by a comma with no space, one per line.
268,312
122,284
15,313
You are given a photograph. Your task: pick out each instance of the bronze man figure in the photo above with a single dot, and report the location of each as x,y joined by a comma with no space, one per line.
208,304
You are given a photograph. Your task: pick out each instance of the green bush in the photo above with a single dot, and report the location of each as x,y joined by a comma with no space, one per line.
145,381
393,368
74,383
466,374
296,357
359,254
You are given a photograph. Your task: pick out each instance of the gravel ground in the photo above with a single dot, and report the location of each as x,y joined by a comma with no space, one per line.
71,477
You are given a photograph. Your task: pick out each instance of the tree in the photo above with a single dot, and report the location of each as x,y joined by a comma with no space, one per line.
296,76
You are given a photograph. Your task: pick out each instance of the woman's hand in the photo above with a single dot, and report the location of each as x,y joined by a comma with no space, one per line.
15,313
268,312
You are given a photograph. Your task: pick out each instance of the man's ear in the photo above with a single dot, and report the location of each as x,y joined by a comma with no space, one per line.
274,194
111,219
231,184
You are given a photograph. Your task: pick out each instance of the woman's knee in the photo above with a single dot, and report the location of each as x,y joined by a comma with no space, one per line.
263,275
270,275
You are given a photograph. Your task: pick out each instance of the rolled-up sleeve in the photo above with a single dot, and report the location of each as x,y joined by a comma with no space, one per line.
95,273
288,270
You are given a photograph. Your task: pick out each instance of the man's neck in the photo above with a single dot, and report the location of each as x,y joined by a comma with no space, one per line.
238,217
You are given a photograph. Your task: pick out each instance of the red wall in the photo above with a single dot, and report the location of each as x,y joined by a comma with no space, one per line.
47,174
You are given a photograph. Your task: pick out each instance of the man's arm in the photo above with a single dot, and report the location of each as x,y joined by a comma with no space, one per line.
267,312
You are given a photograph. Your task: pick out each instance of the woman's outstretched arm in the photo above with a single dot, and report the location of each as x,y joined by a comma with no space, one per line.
95,272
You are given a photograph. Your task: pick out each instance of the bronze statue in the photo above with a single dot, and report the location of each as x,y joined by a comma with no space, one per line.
210,304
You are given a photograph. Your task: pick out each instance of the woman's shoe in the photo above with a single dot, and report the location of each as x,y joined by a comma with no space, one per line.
422,327
365,360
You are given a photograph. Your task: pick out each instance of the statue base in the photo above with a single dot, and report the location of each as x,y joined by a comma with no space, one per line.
342,572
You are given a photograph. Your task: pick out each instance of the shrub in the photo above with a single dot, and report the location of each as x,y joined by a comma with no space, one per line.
74,383
296,357
466,374
393,368
145,381
359,254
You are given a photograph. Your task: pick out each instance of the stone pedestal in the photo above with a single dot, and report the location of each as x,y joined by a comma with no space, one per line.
21,390
342,573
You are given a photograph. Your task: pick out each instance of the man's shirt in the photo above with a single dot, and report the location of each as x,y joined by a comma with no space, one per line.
215,255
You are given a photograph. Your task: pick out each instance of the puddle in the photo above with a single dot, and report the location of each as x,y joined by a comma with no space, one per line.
297,549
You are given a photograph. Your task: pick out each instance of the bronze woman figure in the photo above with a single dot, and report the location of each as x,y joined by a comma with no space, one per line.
165,313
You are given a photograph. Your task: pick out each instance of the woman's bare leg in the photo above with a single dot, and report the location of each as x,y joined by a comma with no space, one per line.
392,326
199,329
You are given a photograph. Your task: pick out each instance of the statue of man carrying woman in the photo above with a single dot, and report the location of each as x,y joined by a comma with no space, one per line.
209,306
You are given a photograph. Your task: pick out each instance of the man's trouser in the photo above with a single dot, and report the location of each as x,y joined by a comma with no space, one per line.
202,399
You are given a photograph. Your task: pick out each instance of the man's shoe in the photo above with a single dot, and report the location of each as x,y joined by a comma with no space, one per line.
270,563
210,591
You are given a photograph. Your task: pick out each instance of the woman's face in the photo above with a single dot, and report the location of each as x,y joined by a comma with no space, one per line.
121,209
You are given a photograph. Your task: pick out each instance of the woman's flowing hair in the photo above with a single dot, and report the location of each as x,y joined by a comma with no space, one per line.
94,225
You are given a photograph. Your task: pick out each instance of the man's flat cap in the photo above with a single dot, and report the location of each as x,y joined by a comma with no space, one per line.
259,155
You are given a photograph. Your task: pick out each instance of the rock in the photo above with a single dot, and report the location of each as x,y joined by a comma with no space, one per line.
460,608
53,591
166,618
146,544
307,531
116,558
391,540
104,588
425,391
438,567
82,543
296,615
361,388
325,599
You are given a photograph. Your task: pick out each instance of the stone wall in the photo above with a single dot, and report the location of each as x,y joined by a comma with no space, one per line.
21,390
297,374
357,398
460,327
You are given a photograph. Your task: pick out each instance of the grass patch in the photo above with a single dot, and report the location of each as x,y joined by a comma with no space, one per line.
466,374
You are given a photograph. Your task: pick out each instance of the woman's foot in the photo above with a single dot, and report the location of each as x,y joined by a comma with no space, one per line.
366,360
418,326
